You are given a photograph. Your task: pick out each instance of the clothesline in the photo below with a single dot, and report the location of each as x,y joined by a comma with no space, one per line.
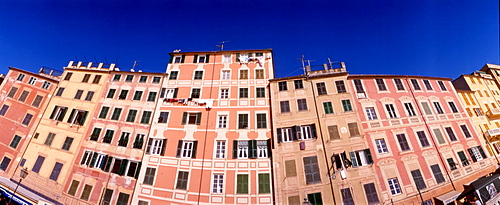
189,101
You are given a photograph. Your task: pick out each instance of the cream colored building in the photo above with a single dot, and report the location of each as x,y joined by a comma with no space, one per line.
319,153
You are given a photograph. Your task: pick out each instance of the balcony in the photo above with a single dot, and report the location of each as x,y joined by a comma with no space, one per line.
493,113
493,132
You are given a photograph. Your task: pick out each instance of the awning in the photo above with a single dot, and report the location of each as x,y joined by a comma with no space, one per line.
448,197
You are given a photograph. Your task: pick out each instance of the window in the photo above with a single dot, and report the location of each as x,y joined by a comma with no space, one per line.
302,104
78,94
381,146
123,95
68,76
286,135
86,78
182,180
173,75
290,168
5,163
423,139
478,111
403,144
282,86
86,192
67,143
111,93
191,118
226,75
179,59
381,84
370,113
315,198
198,75
36,102
476,153
123,141
143,79
242,184
394,186
122,199
117,77
340,86
195,92
243,74
453,107
152,96
156,80
224,93
261,121
259,73
426,107
361,158
12,92
410,110
27,119
139,141
242,149
49,139
163,117
438,107
116,114
90,95
442,86
450,134
439,136
200,59
333,132
32,80
129,78
218,183
243,121
226,58
146,116
220,149
359,86
108,136
428,85
149,177
391,111
138,95
284,106
264,184
155,146
418,179
15,141
347,196
415,84
371,193
55,171
20,77
186,149
465,131
95,134
260,92
38,164
298,84
4,110
243,92
438,175
321,87
311,170
73,187
108,194
46,85
104,112
346,104
262,149
353,129
24,95
463,158
222,121
327,106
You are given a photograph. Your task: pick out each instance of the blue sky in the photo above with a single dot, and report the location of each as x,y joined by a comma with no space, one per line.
430,38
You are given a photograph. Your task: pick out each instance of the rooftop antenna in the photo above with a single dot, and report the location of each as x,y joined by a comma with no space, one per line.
307,67
221,46
133,66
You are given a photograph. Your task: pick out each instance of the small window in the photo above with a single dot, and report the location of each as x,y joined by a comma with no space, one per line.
111,93
442,86
428,85
226,75
394,186
4,110
156,80
220,150
218,184
418,179
23,96
371,193
143,79
423,139
260,92
222,122
191,118
149,177
173,75
415,84
104,112
391,111
403,143
32,80
243,74
20,77
146,116
68,76
224,93
123,141
96,80
36,102
381,84
152,96
46,85
96,132
86,78
359,86
340,86
67,143
311,170
123,94
346,104
186,149
226,58
264,183
243,92
410,110
59,92
298,84
163,118
108,136
77,117
137,95
453,107
259,73
282,86
49,139
261,120
27,119
381,146
195,92
78,94
242,184
55,171
12,92
327,106
302,104
117,77
370,113
465,131
321,87
243,121
131,115
438,107
198,75
178,59
284,106
129,78
116,114
15,141
90,95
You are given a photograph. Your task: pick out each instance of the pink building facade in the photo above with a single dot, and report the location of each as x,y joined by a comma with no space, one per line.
211,142
423,143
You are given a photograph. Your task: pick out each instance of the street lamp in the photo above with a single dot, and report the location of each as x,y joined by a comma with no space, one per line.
23,174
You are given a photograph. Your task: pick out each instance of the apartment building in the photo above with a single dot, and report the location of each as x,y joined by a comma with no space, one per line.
210,143
319,152
63,125
424,145
109,160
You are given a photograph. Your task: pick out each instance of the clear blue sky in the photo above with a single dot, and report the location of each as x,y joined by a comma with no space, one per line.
430,37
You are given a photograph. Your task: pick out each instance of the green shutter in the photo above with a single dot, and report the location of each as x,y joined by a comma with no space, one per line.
198,118
207,58
237,57
82,121
369,156
195,59
439,136
182,59
184,118
252,149
71,116
354,160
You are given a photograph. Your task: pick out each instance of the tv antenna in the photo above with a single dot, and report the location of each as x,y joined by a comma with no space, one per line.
307,67
221,46
135,64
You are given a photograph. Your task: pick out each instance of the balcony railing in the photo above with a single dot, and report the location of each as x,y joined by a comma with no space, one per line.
493,132
493,113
